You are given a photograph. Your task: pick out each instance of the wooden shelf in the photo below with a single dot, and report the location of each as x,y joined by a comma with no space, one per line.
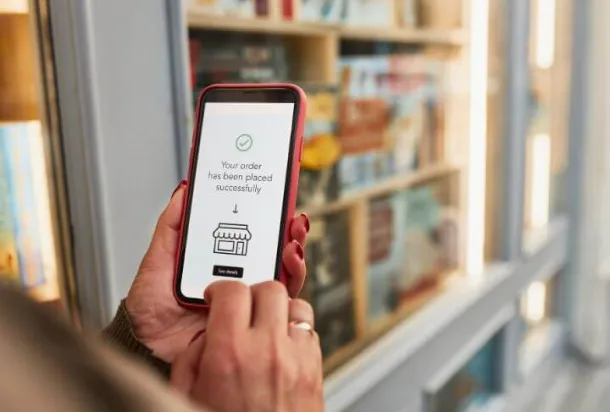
391,185
257,25
453,37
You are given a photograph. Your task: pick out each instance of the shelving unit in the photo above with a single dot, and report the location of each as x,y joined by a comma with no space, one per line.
273,26
392,185
314,52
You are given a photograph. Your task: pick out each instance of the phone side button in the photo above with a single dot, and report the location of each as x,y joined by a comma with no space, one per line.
301,150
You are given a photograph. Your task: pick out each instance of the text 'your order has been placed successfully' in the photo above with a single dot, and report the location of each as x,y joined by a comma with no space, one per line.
240,177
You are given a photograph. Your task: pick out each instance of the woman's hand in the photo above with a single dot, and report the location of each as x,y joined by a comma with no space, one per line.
259,354
158,321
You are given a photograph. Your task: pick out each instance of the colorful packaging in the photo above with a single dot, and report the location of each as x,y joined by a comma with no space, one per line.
318,181
23,204
9,263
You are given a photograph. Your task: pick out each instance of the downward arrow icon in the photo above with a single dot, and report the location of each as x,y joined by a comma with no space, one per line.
235,209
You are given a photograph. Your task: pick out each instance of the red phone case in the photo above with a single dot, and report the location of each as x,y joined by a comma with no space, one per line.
294,173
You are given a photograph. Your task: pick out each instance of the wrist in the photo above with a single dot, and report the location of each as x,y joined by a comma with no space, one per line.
120,332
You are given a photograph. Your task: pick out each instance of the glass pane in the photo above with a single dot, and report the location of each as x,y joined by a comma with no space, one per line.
474,385
547,141
540,326
387,134
30,252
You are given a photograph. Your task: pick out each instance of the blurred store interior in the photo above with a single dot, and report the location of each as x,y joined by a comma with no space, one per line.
455,171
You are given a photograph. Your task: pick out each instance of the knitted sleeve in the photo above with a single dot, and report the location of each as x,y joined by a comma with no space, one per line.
121,334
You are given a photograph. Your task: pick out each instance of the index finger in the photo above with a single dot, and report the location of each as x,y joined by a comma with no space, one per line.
230,308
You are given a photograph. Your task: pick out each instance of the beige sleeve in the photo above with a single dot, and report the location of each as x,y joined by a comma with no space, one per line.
46,366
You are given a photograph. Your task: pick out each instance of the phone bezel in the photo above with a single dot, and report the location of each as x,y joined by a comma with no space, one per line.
237,95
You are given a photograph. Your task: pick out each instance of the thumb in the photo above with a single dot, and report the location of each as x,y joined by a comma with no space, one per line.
165,238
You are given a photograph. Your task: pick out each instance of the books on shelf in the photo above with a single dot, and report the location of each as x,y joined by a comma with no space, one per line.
26,247
318,181
390,118
329,286
382,14
236,57
412,244
9,263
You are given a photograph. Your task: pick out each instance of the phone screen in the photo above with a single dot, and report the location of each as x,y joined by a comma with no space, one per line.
238,193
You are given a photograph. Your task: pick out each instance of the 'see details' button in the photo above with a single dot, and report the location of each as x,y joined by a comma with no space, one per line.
228,272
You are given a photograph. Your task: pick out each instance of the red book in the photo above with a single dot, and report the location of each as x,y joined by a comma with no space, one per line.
288,9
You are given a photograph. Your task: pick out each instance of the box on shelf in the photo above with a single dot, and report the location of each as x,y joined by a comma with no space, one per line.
329,287
320,11
371,13
318,182
242,8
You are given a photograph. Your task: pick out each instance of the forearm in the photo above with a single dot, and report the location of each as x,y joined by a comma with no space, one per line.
120,332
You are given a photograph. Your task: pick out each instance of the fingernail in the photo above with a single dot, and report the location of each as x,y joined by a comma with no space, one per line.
197,336
306,218
299,249
181,184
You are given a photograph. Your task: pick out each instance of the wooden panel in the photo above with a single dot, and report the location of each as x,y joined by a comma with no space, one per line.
359,239
18,83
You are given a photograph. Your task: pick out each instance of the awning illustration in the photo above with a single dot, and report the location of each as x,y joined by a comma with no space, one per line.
232,231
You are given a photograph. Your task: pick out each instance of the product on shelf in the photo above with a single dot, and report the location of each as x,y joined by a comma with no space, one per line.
413,242
326,11
390,118
222,58
329,287
9,265
379,13
243,8
22,215
385,244
321,148
363,122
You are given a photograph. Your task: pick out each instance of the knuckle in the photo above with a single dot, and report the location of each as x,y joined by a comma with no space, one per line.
273,288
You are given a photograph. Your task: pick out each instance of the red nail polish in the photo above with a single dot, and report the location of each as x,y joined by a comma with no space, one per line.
182,183
306,218
299,250
197,336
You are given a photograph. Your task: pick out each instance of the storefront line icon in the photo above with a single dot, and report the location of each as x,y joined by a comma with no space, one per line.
231,239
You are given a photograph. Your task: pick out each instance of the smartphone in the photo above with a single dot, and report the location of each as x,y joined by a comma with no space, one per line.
242,187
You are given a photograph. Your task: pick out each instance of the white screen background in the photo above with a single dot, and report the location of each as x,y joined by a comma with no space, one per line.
270,126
